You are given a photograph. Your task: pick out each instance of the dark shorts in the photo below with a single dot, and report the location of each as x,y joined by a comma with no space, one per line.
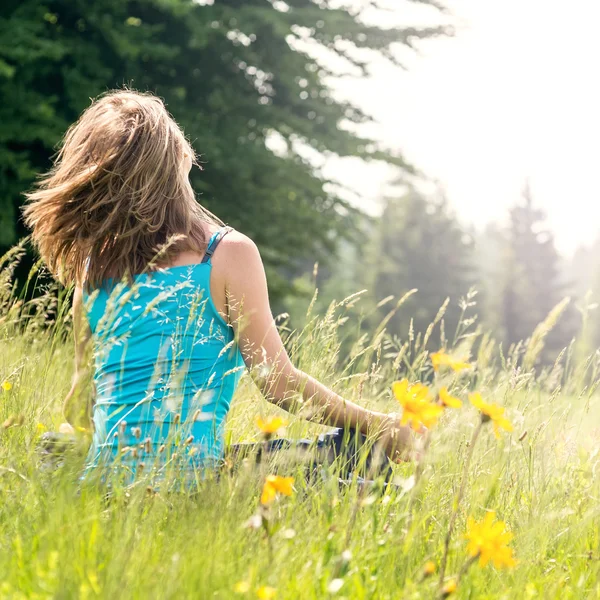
341,453
347,453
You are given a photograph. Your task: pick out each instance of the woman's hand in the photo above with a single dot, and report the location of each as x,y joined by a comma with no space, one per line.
397,441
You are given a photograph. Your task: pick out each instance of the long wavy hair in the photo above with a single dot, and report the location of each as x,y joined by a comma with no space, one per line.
118,194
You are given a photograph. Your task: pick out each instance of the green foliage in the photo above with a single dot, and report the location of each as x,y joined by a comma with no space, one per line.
63,539
531,283
419,244
234,73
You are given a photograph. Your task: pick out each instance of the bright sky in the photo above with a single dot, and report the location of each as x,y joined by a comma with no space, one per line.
514,95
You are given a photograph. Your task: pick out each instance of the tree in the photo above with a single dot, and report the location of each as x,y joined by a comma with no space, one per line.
237,74
490,247
420,244
532,283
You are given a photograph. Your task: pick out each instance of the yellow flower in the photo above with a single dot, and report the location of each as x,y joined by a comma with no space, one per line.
40,428
241,587
6,385
270,425
441,359
429,568
275,484
488,540
449,588
491,412
265,593
448,400
418,408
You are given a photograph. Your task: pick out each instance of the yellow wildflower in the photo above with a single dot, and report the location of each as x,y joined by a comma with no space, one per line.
266,592
488,540
418,408
6,385
441,359
275,484
491,412
448,400
449,588
429,568
270,425
40,428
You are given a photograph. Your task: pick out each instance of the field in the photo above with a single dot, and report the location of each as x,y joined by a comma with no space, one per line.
60,539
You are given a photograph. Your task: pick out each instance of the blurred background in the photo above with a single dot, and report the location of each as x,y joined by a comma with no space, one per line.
437,145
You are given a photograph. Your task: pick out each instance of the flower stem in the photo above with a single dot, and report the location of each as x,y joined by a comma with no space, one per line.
466,567
457,502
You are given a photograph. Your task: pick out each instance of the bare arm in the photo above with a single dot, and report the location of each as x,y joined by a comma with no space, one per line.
265,355
76,407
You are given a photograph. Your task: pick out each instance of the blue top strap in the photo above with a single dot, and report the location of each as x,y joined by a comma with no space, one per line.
216,237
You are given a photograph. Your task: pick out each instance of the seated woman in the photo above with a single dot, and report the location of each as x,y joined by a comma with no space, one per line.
175,304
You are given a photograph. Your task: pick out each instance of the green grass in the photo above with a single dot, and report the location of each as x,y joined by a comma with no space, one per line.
59,539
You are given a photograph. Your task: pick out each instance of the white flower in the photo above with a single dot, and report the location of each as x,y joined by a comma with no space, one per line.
335,586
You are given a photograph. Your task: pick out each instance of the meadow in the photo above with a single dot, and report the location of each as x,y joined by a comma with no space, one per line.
62,539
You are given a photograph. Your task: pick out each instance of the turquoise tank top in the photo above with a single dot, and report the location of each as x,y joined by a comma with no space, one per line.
166,368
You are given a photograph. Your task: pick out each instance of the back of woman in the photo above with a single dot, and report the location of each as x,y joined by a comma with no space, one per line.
173,303
166,367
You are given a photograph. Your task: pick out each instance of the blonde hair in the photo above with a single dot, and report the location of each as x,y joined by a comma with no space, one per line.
118,193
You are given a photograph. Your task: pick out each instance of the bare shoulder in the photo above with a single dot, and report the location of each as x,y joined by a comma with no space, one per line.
238,243
237,256
237,248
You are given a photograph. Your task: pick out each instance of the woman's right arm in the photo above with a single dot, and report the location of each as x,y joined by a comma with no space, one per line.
266,357
76,406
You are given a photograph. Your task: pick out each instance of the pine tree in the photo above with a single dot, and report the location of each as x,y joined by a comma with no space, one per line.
235,73
420,244
532,283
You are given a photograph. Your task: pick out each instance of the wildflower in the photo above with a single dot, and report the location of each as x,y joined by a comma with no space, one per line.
335,585
6,385
441,359
449,588
266,592
488,540
491,412
429,568
273,485
415,399
241,587
448,400
270,425
40,428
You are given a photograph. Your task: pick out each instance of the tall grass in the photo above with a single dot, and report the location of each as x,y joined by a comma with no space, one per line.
60,538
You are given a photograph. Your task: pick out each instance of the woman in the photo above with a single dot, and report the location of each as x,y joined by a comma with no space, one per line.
174,303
